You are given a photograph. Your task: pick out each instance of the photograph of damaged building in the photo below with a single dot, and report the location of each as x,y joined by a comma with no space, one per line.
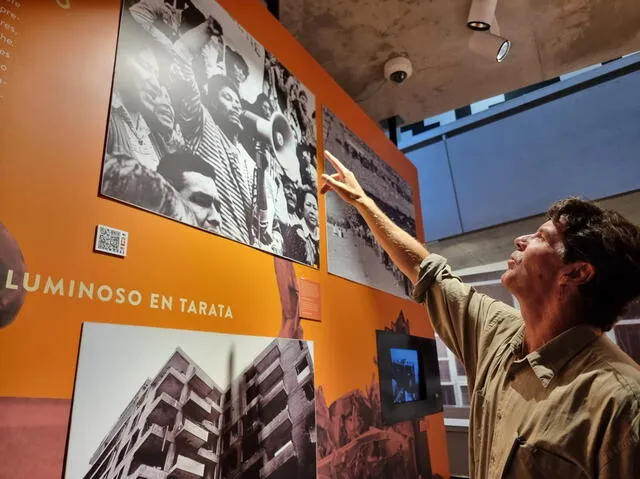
182,425
355,443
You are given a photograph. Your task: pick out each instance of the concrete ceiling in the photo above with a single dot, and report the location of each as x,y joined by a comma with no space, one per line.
352,39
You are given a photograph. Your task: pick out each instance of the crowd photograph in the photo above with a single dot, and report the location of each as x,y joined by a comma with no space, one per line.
352,251
208,128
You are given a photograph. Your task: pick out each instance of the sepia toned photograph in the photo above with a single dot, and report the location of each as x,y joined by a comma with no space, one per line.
354,441
353,252
208,128
163,403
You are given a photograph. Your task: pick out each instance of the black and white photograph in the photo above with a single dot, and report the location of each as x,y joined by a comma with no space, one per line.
165,403
208,128
353,252
405,370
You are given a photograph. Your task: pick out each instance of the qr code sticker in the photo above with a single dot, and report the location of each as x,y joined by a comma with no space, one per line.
111,241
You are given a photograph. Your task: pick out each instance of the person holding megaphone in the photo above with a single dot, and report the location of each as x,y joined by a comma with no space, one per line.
212,119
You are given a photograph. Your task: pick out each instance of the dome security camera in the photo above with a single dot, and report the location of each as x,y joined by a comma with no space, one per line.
398,69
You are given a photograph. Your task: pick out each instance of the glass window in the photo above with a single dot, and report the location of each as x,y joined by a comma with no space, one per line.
452,375
464,393
449,396
442,349
445,374
628,338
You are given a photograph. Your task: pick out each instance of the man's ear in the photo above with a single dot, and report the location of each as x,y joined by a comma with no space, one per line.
577,273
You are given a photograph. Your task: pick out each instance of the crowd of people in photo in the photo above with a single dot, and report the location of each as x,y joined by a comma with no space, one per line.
377,177
352,222
185,142
390,192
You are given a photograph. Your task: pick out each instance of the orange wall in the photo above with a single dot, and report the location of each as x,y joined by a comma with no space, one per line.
53,116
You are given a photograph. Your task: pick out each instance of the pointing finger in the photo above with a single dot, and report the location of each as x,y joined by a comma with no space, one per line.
340,168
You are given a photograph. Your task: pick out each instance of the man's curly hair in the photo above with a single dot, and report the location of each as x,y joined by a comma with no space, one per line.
611,244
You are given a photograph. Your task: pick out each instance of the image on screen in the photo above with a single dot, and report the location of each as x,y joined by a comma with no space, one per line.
405,379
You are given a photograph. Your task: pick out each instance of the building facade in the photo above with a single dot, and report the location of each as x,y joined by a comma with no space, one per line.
181,425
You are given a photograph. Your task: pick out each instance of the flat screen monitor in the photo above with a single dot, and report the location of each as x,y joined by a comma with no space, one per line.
409,376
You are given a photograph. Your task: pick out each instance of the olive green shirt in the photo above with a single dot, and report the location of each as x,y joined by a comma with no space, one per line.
570,409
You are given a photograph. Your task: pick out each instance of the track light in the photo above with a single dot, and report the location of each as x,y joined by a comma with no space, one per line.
485,39
481,14
490,46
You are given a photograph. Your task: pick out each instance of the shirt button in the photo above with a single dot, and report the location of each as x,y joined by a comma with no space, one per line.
493,459
499,415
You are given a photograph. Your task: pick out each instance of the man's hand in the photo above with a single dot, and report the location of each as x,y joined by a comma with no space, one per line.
171,16
156,6
213,27
343,182
405,251
195,39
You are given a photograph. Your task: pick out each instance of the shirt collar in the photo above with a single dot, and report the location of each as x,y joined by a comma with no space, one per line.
136,122
548,360
517,343
315,234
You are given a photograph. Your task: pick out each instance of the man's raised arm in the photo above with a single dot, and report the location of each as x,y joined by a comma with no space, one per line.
458,313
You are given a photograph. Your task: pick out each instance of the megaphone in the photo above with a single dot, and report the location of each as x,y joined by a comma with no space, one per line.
278,134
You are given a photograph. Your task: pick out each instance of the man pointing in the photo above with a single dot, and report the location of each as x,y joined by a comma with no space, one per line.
552,396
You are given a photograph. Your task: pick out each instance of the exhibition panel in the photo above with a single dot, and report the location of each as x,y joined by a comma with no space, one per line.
352,252
180,401
208,128
98,111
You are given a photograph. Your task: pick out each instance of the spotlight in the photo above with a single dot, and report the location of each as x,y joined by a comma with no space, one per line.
489,46
481,14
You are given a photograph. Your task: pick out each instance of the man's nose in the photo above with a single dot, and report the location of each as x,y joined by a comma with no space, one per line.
214,218
521,242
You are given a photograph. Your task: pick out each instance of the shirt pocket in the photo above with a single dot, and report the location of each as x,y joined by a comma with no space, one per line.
530,461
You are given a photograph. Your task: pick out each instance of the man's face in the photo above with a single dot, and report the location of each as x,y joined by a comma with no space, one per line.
230,108
536,264
310,210
290,195
145,93
201,194
142,78
303,101
238,74
266,110
163,113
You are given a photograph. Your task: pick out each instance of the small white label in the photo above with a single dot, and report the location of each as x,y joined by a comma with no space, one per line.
111,241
